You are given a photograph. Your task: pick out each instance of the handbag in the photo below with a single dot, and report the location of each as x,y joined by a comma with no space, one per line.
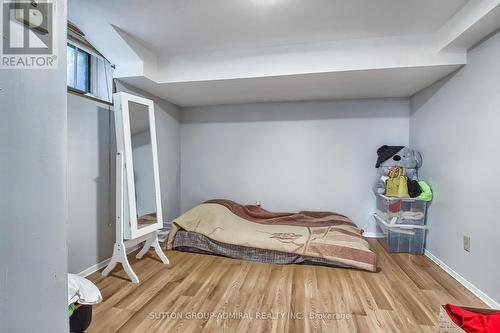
397,184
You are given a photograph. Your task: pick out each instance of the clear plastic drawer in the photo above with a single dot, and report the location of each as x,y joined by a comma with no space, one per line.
406,238
402,211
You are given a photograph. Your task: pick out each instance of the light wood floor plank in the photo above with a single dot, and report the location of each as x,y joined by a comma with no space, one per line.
404,295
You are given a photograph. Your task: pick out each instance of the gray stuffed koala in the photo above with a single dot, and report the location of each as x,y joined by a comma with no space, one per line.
396,156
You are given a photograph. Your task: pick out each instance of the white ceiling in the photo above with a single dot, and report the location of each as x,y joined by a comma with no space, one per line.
180,26
205,52
323,86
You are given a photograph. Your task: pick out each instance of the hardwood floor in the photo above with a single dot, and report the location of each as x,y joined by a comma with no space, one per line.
403,296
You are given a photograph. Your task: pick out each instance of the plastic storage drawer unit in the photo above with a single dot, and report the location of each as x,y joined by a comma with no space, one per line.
401,237
401,210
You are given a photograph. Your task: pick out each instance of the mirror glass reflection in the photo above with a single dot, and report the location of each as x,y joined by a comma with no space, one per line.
142,158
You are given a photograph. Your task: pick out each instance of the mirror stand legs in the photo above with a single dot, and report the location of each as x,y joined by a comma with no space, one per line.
120,255
152,241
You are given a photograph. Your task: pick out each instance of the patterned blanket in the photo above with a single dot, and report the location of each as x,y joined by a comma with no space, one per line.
324,235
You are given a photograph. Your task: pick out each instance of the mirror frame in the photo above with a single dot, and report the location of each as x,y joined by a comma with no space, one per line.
124,144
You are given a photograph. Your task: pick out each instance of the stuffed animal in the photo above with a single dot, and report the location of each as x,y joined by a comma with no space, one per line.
395,156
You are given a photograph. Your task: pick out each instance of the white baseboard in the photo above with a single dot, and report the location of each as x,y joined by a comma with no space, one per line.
373,235
472,288
92,269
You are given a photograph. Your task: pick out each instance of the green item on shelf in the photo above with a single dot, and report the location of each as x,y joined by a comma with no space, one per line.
71,309
426,194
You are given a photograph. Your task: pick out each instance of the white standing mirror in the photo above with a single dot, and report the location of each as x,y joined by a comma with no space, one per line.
138,197
141,157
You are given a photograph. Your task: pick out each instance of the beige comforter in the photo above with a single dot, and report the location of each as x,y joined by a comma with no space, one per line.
325,235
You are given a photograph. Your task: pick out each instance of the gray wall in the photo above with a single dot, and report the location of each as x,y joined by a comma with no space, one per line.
91,201
33,204
455,124
290,156
91,196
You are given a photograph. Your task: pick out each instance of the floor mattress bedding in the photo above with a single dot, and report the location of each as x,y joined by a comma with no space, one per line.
250,232
188,241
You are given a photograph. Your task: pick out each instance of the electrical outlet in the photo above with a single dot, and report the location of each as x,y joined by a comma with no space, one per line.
467,243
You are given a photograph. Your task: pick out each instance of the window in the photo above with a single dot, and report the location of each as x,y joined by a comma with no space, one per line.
78,69
89,73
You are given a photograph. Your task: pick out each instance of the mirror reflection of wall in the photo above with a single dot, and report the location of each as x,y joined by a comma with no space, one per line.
142,158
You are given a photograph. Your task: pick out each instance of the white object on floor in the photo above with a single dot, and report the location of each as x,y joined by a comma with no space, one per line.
82,290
